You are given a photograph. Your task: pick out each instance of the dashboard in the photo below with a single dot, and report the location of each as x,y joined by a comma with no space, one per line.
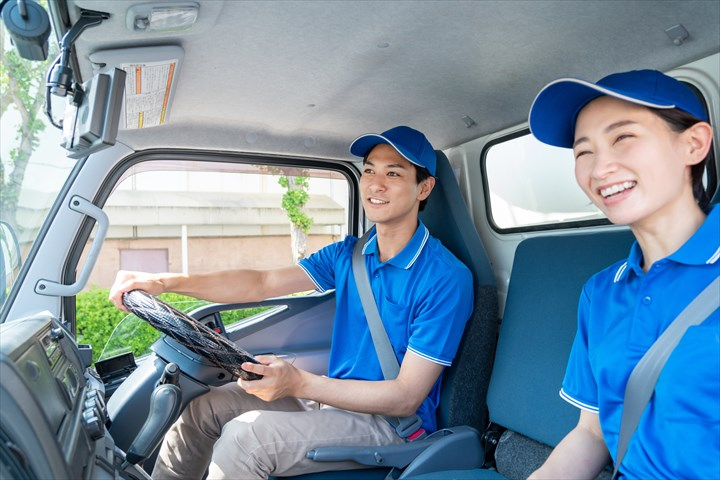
53,420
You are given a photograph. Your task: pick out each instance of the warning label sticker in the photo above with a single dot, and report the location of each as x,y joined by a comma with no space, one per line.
147,92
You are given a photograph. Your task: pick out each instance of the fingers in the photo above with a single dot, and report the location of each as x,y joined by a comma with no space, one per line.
273,385
123,281
126,281
269,366
263,368
267,359
253,386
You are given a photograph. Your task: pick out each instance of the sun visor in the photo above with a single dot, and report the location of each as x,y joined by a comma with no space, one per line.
151,79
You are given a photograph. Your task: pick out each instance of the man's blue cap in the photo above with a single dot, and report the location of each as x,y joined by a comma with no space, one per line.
554,112
409,143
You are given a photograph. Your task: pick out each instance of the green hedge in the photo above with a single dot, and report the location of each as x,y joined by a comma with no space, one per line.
99,321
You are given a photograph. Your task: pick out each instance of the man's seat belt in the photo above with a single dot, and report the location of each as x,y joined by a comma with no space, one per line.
409,428
641,384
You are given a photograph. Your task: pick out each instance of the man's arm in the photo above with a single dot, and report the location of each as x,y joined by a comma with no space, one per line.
400,397
230,286
581,454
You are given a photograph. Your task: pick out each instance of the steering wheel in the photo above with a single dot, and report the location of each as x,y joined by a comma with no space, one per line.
191,334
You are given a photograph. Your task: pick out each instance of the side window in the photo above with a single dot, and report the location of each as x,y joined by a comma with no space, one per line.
531,186
195,217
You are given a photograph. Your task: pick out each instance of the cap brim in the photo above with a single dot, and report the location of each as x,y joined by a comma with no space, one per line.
362,145
555,109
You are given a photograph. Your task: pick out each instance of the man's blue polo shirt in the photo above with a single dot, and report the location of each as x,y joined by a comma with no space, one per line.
424,295
622,312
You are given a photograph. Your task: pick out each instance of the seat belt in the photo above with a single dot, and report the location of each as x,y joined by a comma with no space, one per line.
408,428
641,384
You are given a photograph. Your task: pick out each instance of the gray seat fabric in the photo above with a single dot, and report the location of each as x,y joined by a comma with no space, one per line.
465,384
536,335
539,326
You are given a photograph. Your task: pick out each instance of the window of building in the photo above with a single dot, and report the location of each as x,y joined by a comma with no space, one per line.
144,259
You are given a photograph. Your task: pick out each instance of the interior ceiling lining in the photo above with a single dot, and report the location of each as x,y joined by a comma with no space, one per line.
314,73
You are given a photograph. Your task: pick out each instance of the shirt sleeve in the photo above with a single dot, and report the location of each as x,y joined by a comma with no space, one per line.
579,386
436,331
321,265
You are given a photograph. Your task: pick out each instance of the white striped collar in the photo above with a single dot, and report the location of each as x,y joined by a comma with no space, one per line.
409,254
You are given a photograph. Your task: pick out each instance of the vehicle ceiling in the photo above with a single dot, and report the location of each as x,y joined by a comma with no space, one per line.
306,77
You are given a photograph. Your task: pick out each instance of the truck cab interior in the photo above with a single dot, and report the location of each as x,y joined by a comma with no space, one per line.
171,133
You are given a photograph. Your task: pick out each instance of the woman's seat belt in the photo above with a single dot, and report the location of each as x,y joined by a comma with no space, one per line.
409,428
641,384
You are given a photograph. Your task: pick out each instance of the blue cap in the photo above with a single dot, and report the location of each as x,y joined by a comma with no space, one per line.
556,107
409,143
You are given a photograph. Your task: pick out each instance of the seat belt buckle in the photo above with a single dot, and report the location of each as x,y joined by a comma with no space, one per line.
410,428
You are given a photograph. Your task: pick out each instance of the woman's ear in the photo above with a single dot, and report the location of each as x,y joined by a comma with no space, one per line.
699,138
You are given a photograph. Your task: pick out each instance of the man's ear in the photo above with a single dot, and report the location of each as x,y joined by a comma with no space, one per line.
426,187
699,140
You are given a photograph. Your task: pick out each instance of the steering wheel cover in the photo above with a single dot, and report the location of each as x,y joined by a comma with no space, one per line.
190,333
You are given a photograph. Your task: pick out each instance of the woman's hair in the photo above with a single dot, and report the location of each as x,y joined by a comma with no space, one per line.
679,121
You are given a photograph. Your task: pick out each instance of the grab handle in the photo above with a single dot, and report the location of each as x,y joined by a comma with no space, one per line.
56,289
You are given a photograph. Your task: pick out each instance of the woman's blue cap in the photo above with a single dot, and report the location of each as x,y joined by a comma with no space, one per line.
554,112
409,143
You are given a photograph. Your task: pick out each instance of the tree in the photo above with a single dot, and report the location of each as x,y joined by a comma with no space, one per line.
22,85
295,182
293,202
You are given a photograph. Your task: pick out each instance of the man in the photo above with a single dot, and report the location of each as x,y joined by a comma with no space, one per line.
253,429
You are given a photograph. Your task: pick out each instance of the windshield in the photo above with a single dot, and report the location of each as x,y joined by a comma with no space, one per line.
130,334
33,165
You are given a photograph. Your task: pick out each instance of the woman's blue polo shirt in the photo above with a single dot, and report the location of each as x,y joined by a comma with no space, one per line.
622,312
424,295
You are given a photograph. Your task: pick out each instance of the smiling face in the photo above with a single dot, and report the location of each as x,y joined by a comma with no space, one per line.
389,188
631,164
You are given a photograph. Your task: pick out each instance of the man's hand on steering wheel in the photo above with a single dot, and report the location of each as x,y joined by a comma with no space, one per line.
280,378
126,281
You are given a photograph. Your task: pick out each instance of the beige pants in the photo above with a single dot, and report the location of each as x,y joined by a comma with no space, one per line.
238,436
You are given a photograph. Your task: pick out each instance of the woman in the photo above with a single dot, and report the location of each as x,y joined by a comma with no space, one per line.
641,141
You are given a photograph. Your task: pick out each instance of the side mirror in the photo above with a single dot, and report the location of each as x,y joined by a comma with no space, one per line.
10,261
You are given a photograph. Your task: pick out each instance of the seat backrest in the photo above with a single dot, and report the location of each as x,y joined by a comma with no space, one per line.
465,383
537,333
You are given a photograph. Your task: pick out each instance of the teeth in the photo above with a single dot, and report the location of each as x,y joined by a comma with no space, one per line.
606,192
376,201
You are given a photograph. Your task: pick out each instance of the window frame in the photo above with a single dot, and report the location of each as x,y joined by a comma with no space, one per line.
348,170
529,228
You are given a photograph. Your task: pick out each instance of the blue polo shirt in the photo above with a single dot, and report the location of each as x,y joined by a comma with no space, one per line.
622,312
424,295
